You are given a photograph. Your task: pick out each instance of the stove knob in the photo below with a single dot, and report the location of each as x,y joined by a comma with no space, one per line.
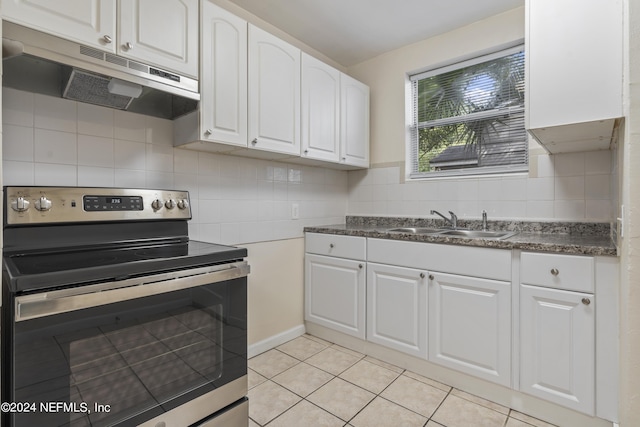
183,204
43,204
156,204
20,204
170,204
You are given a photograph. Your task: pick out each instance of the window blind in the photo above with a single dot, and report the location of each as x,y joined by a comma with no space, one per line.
468,118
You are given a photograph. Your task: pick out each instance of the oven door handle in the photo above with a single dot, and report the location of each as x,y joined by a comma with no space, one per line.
66,300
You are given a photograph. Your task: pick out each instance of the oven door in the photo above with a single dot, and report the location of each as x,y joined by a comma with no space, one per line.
127,352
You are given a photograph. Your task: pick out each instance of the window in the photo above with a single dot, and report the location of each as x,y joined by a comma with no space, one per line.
468,118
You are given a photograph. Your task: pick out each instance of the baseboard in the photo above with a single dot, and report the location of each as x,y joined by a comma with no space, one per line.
274,341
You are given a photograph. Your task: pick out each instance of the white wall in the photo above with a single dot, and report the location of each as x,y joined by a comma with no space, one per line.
386,74
567,187
276,289
629,161
235,200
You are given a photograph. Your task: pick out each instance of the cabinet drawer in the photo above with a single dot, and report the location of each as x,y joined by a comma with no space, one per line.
575,273
487,263
337,246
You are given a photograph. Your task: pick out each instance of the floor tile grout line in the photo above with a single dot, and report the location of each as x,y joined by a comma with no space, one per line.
481,404
349,382
388,400
439,405
396,403
360,357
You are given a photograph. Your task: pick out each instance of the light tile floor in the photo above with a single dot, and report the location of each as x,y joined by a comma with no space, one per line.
309,382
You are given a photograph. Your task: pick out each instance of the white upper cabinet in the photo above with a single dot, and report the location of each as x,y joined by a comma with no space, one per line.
223,86
220,124
274,93
90,22
574,72
320,110
354,125
335,116
163,33
160,32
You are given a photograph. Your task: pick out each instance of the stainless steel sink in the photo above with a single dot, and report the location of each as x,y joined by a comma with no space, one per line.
415,230
479,234
469,234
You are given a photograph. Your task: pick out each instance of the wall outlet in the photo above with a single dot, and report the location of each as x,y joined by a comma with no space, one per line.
295,211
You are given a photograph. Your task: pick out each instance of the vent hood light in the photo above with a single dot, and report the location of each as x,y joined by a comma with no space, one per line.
120,87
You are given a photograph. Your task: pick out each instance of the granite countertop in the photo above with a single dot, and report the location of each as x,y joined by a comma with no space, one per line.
559,237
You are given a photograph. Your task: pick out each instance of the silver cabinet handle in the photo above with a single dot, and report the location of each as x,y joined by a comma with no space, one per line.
331,245
555,271
431,277
586,301
128,45
360,266
422,275
107,38
255,141
208,132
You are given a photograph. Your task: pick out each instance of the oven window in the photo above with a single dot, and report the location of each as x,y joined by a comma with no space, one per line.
130,361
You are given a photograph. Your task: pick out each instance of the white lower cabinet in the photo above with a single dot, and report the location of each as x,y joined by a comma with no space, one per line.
397,308
557,346
455,306
470,325
335,292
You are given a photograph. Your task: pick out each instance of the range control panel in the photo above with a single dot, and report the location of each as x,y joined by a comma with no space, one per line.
42,205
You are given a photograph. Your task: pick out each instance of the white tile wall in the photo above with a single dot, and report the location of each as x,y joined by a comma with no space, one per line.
576,186
51,141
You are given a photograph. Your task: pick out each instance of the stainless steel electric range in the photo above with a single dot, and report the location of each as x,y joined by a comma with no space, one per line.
112,316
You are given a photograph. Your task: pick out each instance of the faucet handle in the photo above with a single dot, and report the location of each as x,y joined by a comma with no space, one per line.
454,220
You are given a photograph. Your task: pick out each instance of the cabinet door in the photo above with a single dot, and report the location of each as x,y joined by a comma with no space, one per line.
470,326
223,76
397,308
557,346
574,60
335,293
89,22
160,32
354,134
320,110
274,93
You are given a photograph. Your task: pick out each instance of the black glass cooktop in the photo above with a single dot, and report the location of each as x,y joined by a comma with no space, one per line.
53,269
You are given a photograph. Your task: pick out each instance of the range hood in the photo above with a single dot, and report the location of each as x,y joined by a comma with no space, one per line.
37,62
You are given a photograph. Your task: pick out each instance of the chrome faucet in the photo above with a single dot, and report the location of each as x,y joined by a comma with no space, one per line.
453,220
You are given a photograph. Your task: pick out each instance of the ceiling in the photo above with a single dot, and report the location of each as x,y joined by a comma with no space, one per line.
352,31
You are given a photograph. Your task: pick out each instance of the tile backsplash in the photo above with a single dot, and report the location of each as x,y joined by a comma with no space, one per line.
576,186
51,141
235,200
